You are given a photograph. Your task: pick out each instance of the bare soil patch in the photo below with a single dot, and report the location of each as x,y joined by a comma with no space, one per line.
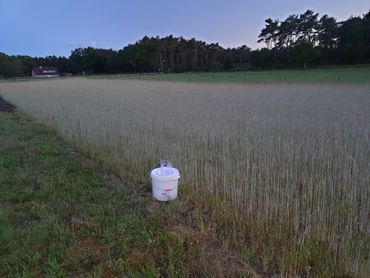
6,106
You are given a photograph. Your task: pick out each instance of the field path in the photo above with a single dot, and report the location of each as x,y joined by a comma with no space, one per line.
5,106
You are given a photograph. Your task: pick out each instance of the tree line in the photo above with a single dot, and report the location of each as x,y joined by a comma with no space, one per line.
299,41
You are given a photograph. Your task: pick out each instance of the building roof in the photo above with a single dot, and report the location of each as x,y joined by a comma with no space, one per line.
45,71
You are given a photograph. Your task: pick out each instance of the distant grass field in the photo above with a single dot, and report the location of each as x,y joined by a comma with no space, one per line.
352,75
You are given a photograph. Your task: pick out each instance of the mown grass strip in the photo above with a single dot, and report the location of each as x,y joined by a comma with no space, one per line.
340,75
58,213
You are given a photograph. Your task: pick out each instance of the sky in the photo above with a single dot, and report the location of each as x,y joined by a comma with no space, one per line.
56,27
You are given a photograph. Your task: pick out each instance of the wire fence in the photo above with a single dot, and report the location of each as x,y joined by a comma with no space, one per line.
299,76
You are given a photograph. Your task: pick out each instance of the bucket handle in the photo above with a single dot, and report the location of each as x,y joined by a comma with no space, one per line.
157,164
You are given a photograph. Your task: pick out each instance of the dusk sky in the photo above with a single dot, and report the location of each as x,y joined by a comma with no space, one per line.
55,27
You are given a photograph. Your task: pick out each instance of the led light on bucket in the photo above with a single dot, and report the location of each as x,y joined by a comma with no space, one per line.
165,180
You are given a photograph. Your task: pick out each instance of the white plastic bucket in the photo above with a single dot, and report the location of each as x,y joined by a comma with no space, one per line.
165,181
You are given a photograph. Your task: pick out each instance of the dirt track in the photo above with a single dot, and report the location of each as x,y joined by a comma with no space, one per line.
5,106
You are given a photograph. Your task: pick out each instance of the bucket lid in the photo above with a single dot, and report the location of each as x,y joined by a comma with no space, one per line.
170,173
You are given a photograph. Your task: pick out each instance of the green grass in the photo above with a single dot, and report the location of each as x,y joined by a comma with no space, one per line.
58,214
345,75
